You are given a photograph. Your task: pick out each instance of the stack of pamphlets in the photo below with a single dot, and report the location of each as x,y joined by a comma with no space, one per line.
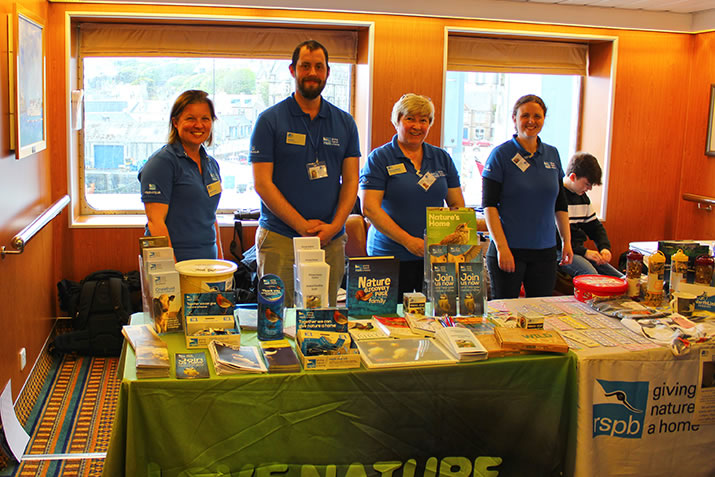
152,355
395,327
365,329
462,343
422,325
279,356
191,365
230,359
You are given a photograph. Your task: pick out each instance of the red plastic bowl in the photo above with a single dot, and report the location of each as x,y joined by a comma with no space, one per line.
586,287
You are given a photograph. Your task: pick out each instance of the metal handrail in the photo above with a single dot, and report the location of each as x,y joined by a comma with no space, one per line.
704,202
20,240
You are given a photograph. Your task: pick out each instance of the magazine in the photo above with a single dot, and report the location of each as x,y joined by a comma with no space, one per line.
152,361
279,356
365,329
462,343
229,359
191,365
422,325
141,335
394,326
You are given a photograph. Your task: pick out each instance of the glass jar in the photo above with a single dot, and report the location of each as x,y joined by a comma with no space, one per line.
704,269
634,268
678,270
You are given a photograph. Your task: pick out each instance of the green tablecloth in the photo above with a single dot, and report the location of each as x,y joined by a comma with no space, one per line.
508,413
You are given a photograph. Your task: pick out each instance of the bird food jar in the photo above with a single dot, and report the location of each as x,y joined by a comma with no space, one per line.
634,268
271,295
656,274
678,269
704,269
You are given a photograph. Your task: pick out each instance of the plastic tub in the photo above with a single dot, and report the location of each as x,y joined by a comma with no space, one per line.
586,287
205,275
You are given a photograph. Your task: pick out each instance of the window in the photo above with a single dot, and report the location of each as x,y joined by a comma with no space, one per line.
480,105
129,91
484,79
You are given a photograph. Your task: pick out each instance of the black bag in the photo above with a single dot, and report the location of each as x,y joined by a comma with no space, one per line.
245,278
99,306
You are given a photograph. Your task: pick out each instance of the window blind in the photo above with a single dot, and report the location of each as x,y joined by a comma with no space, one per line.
113,39
465,53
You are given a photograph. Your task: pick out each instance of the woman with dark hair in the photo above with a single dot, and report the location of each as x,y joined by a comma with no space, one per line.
523,205
181,183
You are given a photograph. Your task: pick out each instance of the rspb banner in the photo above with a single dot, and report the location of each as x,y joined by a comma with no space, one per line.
638,411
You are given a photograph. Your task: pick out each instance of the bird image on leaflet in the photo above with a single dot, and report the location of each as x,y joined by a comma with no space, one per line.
443,303
460,236
469,302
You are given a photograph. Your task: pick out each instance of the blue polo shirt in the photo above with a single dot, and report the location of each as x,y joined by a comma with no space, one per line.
171,177
404,200
287,137
528,198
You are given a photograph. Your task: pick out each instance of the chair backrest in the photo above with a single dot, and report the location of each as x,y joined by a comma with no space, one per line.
356,228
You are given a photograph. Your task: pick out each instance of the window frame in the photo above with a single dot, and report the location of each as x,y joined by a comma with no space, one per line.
82,215
597,94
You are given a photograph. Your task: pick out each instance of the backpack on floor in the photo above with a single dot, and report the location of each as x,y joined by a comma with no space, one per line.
99,306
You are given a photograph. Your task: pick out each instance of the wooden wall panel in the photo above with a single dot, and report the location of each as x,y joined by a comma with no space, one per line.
648,136
26,288
698,170
662,88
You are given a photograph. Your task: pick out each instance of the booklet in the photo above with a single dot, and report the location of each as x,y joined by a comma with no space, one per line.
231,359
462,343
191,365
279,356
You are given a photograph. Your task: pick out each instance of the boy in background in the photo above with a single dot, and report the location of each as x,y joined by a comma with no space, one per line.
582,173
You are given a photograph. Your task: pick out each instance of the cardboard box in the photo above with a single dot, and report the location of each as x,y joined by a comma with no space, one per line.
349,360
231,336
207,310
414,302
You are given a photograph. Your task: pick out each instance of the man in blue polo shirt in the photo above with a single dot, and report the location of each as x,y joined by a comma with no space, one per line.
305,154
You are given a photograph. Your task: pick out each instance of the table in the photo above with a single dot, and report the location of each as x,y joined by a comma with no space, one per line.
650,429
506,415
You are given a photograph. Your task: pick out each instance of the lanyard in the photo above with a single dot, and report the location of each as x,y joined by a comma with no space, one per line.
313,142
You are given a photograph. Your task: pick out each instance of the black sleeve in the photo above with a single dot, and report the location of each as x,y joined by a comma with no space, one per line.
491,192
562,204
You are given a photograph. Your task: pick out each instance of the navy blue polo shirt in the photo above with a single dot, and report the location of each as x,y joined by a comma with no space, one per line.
171,177
404,200
528,198
287,137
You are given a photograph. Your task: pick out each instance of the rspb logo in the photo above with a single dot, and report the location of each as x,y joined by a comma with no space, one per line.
619,408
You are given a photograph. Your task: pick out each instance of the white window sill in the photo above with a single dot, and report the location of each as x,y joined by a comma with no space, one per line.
136,221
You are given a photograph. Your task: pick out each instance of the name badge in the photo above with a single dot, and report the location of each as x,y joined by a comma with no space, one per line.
295,138
214,188
396,169
426,181
317,170
520,162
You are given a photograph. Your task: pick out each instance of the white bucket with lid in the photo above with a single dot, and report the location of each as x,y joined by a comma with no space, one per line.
205,275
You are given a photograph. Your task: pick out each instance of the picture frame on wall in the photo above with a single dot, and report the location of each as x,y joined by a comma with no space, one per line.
26,60
710,144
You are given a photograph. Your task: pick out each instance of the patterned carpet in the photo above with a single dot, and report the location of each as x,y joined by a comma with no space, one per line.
67,408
